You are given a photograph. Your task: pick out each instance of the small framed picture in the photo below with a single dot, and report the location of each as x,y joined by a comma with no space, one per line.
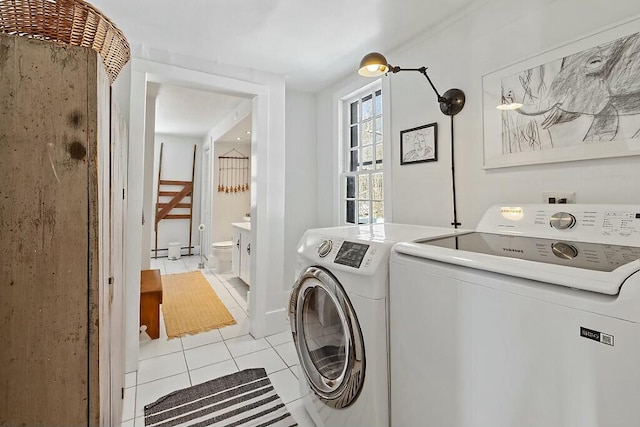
419,144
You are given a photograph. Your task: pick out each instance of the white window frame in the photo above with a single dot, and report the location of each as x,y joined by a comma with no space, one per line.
344,148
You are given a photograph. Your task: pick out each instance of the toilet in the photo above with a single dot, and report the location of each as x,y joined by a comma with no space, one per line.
220,259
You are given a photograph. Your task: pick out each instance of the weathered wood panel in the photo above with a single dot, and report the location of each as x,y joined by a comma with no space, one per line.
47,128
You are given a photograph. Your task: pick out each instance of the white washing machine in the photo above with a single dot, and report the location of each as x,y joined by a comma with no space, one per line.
533,320
338,313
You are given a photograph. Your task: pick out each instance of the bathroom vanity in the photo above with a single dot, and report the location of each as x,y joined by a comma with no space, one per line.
241,251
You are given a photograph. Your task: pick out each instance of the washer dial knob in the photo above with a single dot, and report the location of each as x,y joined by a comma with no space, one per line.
564,250
562,220
324,248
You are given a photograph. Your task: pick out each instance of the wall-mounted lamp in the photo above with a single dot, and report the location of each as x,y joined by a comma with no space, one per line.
509,106
375,64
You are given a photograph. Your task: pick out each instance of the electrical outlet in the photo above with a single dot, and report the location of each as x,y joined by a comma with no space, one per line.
558,197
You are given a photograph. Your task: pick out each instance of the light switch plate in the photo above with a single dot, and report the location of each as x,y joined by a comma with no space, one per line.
558,197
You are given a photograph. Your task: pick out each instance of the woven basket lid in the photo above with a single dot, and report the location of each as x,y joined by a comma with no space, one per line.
73,22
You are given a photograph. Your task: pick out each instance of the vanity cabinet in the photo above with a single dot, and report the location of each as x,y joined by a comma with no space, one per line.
235,252
241,255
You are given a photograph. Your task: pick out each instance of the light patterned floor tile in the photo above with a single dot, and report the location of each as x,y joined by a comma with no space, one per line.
206,355
245,345
286,385
267,359
203,338
214,371
161,367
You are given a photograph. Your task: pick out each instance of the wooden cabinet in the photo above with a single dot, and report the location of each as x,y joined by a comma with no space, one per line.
241,255
62,169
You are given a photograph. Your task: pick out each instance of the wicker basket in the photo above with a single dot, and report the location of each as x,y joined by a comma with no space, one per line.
74,22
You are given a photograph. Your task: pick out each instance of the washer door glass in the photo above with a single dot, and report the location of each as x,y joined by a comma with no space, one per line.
327,337
324,334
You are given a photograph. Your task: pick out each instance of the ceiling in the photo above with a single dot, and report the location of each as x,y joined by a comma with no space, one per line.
311,43
240,134
191,112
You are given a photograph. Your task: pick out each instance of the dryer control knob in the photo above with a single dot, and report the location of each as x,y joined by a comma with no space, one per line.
562,220
324,248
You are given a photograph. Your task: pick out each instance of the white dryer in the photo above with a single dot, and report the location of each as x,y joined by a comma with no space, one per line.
533,320
338,313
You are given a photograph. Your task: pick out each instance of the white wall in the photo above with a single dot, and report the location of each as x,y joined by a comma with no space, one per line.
301,181
490,36
120,91
228,207
177,163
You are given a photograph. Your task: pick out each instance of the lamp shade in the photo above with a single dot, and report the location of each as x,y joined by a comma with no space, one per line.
373,64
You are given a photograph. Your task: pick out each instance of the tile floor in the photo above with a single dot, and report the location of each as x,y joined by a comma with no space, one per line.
167,365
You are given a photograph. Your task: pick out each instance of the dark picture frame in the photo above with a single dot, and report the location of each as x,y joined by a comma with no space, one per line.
419,145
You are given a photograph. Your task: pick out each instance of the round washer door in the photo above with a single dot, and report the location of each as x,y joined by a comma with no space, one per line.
327,337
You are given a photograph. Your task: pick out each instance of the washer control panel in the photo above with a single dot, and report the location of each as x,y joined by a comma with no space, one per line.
562,220
612,224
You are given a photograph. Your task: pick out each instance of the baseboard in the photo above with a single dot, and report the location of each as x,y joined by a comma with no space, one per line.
184,251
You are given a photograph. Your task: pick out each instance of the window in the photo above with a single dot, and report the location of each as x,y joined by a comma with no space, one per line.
362,182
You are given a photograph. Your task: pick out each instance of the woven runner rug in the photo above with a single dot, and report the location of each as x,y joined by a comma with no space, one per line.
245,398
190,305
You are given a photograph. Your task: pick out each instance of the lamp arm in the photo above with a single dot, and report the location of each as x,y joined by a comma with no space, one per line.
421,70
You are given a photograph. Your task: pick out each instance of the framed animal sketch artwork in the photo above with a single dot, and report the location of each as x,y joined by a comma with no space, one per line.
419,144
575,102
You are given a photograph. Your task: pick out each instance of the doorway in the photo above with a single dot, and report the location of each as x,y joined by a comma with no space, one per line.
267,180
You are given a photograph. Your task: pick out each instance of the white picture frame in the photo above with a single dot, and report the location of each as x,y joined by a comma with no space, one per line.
513,138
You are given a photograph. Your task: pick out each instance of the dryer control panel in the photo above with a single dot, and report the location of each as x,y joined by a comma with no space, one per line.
360,255
351,254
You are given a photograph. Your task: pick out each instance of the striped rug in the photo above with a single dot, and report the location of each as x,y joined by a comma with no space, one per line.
245,398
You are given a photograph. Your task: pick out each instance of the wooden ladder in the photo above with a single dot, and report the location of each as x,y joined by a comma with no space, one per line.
163,210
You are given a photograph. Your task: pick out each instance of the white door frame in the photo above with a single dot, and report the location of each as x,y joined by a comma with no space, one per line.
267,310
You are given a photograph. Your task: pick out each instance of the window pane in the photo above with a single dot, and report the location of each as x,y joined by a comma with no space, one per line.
379,155
378,212
378,130
367,158
367,132
351,211
363,187
353,164
354,136
351,187
363,213
364,150
378,103
354,113
376,187
367,107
